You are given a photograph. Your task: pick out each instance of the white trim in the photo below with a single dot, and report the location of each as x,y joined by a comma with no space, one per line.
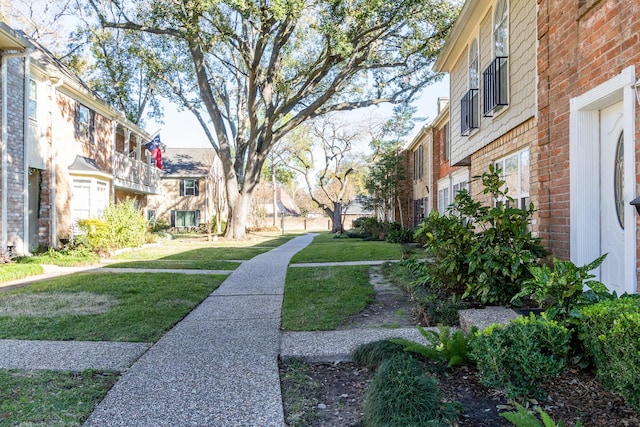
584,146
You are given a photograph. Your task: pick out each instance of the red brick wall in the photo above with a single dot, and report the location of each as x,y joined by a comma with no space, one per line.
581,44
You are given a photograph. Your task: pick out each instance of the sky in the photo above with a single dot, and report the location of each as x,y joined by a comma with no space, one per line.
182,130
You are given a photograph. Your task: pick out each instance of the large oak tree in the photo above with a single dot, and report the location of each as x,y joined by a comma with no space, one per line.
253,70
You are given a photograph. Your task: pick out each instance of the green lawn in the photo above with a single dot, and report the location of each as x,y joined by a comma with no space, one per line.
175,252
188,264
326,248
137,307
47,398
322,298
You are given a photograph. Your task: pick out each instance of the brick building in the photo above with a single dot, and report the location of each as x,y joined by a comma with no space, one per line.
587,59
65,153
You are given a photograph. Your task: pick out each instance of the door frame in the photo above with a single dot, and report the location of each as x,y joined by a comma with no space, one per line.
584,160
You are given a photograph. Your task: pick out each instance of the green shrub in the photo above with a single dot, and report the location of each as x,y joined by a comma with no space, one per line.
121,225
399,234
435,309
610,331
370,228
561,289
524,418
444,346
521,355
372,354
401,395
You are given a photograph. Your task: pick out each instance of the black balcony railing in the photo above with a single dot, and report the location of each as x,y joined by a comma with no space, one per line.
496,85
469,112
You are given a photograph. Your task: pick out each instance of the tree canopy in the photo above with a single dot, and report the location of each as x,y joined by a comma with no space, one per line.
252,71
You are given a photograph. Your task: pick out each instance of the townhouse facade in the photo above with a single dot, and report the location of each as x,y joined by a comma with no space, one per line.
548,92
192,192
66,154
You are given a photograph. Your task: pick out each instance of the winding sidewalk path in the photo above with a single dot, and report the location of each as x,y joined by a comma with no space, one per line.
218,366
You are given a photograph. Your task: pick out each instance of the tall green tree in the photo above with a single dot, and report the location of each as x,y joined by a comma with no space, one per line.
387,170
254,70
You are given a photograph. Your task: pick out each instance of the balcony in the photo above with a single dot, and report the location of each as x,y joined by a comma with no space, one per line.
496,85
134,175
469,112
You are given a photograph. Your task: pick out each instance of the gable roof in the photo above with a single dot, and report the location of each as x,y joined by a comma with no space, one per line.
181,162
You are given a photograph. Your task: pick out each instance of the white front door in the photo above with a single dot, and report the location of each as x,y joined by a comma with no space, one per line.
612,197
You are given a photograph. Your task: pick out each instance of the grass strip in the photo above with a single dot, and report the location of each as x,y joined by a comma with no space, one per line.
322,298
48,398
326,248
146,306
18,271
198,253
163,264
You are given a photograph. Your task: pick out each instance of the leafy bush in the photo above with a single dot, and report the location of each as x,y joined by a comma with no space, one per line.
524,418
444,346
561,290
372,354
521,355
434,309
369,228
401,395
447,239
64,257
121,225
399,234
611,333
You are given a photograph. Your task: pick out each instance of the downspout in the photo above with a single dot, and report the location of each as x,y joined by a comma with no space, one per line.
56,83
3,149
25,182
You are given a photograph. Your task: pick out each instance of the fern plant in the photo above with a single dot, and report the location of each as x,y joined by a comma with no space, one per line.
524,418
444,346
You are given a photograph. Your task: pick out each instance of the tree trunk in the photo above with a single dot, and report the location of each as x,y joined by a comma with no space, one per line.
337,218
237,224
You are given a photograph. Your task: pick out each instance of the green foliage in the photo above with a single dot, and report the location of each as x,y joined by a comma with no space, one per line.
121,225
399,234
561,289
480,252
369,228
610,331
524,418
372,354
68,257
444,346
12,271
401,395
521,355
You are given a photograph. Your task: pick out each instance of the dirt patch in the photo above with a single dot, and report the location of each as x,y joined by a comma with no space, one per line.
392,307
52,304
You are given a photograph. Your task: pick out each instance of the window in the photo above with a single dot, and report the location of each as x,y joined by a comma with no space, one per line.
514,170
418,163
444,138
89,199
495,78
185,218
33,99
443,199
189,187
84,122
151,215
469,103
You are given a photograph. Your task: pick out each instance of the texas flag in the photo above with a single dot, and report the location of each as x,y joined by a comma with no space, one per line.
155,148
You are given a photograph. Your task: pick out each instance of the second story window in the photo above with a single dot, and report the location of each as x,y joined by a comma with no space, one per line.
469,103
418,163
495,77
189,187
444,142
33,99
83,124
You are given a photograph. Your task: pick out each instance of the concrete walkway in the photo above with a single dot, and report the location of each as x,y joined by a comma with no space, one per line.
217,367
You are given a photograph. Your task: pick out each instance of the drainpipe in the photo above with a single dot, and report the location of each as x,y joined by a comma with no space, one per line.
56,83
5,139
